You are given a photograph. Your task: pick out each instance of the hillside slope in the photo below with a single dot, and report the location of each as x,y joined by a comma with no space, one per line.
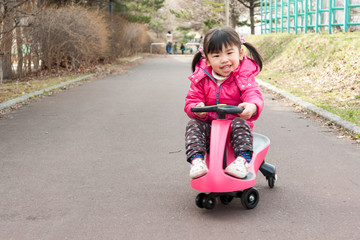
320,68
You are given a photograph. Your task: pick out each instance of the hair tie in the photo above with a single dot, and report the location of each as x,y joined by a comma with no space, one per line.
242,40
201,50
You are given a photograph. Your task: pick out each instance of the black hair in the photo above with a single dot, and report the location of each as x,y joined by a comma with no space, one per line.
217,38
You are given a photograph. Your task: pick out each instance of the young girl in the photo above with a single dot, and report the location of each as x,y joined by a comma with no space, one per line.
222,74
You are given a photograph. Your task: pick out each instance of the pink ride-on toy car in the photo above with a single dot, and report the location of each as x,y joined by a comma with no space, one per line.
216,181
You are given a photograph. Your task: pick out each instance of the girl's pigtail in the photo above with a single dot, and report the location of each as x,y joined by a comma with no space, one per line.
196,59
254,54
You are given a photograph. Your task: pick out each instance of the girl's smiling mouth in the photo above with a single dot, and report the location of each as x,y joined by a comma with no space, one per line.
225,67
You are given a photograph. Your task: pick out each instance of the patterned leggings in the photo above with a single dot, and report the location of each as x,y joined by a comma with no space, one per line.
197,137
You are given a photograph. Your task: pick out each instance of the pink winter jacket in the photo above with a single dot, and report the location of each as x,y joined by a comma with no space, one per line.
239,87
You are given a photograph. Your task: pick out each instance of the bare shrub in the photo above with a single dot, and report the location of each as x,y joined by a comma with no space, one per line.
69,37
127,38
155,49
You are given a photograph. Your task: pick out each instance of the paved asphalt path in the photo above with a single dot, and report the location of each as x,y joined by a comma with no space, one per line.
106,160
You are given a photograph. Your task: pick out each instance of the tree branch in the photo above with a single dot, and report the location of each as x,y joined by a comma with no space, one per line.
243,3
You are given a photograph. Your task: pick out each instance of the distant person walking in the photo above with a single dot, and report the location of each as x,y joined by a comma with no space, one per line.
168,42
182,48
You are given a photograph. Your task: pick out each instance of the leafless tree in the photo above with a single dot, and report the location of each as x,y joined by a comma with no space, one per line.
251,5
236,10
192,14
10,11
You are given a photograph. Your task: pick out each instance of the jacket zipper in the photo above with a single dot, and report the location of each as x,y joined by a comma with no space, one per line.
217,97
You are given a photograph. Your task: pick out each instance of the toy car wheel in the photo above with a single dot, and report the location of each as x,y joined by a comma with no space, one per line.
226,199
209,202
271,182
250,198
199,200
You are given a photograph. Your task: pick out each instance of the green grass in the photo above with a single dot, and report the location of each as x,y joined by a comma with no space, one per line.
352,115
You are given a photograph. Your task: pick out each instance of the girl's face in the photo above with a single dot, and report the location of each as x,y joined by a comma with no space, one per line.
226,61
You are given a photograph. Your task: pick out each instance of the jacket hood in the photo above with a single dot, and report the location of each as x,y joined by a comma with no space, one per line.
247,68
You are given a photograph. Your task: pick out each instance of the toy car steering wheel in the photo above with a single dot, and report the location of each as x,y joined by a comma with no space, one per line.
220,109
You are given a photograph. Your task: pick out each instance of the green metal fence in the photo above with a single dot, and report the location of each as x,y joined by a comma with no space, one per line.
305,15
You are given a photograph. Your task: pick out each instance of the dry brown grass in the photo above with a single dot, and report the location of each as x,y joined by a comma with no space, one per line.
320,68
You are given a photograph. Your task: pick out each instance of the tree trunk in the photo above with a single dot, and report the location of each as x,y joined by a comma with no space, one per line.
251,5
29,62
36,59
20,55
6,43
234,16
252,20
1,69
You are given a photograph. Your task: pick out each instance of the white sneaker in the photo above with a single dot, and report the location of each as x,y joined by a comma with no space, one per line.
198,168
238,168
